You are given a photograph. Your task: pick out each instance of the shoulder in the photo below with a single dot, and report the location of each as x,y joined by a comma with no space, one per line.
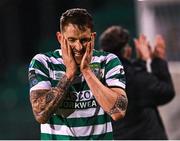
102,53
44,57
104,56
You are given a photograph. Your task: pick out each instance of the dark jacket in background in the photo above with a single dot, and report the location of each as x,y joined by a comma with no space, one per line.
145,92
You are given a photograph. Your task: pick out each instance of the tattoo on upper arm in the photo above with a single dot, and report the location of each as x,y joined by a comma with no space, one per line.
120,105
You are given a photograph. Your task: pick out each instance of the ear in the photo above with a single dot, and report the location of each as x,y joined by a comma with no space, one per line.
94,34
59,36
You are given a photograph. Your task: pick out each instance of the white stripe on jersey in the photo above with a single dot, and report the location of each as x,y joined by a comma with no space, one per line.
110,57
101,58
56,60
113,71
115,82
41,85
76,131
98,59
44,59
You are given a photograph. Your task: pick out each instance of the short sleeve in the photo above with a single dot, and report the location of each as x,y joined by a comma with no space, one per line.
114,72
38,73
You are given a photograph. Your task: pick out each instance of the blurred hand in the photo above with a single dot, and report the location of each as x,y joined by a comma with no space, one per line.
142,48
160,47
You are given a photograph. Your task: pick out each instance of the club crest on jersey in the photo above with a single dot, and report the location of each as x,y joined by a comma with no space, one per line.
96,68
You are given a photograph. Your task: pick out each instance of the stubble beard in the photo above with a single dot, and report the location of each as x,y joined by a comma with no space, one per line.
78,56
78,59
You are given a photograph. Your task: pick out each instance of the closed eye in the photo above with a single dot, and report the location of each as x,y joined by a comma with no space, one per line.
85,40
71,40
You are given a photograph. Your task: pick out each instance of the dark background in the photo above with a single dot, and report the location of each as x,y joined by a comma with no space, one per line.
28,27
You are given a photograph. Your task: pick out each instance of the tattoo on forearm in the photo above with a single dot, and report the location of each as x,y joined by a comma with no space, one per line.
49,97
64,83
120,105
45,102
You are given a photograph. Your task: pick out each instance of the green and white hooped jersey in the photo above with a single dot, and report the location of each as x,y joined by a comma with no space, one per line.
79,116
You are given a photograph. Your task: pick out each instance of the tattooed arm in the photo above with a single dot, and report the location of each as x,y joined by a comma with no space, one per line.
113,100
45,102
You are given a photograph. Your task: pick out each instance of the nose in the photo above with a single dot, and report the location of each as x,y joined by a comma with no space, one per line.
79,46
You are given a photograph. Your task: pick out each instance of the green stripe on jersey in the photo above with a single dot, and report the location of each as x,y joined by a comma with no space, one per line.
112,63
38,65
42,78
55,67
78,122
54,54
117,76
99,53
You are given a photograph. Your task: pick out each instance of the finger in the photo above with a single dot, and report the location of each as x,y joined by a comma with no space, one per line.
64,51
159,42
88,53
150,48
143,37
90,48
159,38
67,46
62,44
136,42
87,50
92,44
69,49
143,40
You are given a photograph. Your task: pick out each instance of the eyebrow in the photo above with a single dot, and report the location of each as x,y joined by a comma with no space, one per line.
79,38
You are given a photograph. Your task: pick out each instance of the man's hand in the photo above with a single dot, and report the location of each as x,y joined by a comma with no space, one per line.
160,47
86,60
71,66
143,48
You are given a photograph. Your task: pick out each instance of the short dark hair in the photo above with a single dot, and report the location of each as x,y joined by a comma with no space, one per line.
77,16
114,39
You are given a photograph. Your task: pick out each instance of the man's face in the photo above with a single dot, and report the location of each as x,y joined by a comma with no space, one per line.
78,40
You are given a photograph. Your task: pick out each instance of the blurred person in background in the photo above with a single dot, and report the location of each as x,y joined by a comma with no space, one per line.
148,84
73,91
